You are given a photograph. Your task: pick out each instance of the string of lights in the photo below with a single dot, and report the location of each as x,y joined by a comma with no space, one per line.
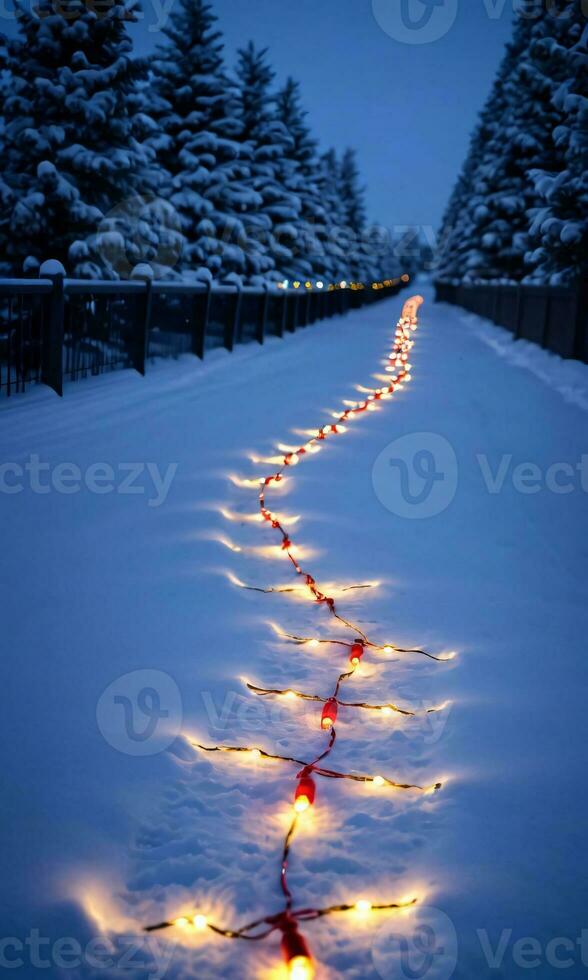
308,767
200,922
319,284
388,648
295,950
386,709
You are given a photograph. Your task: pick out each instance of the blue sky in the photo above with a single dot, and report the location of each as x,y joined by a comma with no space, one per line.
408,108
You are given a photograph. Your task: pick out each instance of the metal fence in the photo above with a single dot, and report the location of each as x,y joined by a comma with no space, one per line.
554,316
54,329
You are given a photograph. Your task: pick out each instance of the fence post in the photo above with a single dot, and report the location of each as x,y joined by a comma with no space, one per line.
546,318
141,346
232,326
284,319
307,308
295,313
581,323
519,311
200,324
262,322
53,327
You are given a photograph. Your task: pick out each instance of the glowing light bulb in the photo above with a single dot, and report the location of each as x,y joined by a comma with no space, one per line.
320,285
305,794
200,922
329,715
313,643
363,906
296,953
256,753
357,652
388,649
183,922
301,968
343,284
379,781
387,711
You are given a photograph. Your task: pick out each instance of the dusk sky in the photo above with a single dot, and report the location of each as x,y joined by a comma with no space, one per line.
408,108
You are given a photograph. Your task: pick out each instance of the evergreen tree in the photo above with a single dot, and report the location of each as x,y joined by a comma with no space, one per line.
352,193
271,229
523,181
559,228
68,143
334,234
362,262
197,141
302,177
487,209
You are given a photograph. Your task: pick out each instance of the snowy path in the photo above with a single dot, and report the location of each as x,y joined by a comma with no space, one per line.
96,839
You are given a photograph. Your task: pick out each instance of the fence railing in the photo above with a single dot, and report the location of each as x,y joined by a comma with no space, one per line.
55,329
556,317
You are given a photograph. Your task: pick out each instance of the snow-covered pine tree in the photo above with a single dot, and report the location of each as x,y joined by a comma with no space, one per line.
352,192
271,228
486,230
68,147
197,141
301,175
559,226
334,234
362,258
487,208
526,144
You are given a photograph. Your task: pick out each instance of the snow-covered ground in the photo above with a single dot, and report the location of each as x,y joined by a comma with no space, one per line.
483,556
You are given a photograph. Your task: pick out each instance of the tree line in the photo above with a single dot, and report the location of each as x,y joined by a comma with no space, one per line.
204,171
519,210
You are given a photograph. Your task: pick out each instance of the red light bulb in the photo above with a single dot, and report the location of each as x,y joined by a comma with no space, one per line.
296,953
329,716
305,794
357,652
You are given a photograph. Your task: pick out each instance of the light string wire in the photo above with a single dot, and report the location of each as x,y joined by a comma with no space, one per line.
294,948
